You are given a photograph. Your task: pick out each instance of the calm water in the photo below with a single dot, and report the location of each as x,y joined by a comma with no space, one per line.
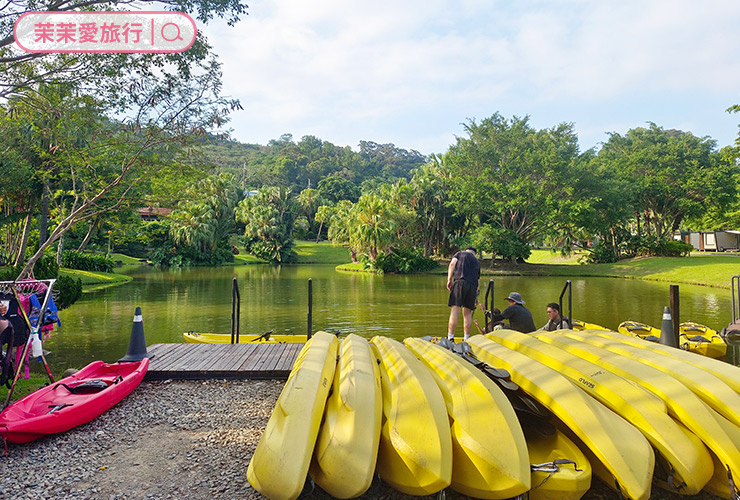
98,326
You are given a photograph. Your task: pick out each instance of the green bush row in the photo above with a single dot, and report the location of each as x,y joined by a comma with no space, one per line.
72,259
403,262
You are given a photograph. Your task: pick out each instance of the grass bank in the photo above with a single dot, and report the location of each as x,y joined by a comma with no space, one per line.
698,269
310,252
92,278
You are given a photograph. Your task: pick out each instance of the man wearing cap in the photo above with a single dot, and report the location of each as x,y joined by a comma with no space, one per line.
462,282
519,316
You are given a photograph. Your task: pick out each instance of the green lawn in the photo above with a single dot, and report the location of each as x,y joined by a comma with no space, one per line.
550,257
95,278
310,252
698,269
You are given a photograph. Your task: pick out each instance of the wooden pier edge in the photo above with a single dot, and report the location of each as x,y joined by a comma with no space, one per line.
221,361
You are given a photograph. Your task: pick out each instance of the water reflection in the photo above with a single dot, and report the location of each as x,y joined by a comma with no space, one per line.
275,298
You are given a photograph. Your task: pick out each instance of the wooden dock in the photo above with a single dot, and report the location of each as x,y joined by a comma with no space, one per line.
217,361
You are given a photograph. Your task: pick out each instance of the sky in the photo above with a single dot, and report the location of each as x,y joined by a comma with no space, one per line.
413,72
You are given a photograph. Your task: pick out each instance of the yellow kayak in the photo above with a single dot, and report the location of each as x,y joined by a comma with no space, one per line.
347,446
560,470
639,330
701,340
719,435
619,446
415,454
729,374
225,338
280,463
685,454
582,325
709,388
489,452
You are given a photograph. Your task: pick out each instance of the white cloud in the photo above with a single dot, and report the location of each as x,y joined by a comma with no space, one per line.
412,71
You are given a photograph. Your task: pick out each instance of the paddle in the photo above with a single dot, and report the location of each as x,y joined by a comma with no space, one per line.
265,336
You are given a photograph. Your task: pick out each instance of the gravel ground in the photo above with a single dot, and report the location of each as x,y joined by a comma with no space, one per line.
171,440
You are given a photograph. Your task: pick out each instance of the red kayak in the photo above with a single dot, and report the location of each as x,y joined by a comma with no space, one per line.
72,401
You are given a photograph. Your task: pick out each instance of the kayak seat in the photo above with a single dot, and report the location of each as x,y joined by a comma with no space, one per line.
91,386
652,338
698,338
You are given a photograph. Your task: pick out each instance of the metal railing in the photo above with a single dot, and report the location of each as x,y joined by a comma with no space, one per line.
569,288
235,311
735,285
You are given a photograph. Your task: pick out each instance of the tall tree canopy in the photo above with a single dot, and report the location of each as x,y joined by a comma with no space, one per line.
509,174
668,175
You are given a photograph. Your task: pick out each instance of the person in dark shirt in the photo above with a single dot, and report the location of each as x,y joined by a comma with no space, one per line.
520,319
555,321
463,274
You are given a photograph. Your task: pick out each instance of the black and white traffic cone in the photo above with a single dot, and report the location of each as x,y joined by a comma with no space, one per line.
666,329
137,343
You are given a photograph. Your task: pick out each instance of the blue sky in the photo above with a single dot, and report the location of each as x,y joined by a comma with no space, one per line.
411,72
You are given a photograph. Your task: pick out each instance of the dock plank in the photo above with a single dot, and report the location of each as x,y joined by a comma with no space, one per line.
217,361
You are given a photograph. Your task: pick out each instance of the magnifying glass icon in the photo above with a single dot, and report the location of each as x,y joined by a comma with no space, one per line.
177,36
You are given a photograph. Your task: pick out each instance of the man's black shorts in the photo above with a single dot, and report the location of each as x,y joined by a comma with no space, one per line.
463,293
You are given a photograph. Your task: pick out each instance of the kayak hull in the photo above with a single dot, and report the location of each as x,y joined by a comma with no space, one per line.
280,463
489,452
347,446
414,459
619,446
55,408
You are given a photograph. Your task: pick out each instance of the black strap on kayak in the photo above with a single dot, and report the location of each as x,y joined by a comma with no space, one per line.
87,387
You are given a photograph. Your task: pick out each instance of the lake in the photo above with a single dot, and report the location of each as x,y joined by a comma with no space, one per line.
275,298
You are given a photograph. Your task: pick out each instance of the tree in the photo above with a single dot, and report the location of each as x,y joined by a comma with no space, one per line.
205,218
508,174
97,161
372,225
671,175
334,189
500,241
269,218
310,200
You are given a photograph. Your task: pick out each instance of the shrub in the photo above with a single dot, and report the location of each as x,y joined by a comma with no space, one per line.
403,262
501,241
674,248
601,254
72,259
67,291
46,268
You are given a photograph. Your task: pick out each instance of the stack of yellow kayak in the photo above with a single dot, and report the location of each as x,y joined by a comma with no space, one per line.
636,414
702,340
